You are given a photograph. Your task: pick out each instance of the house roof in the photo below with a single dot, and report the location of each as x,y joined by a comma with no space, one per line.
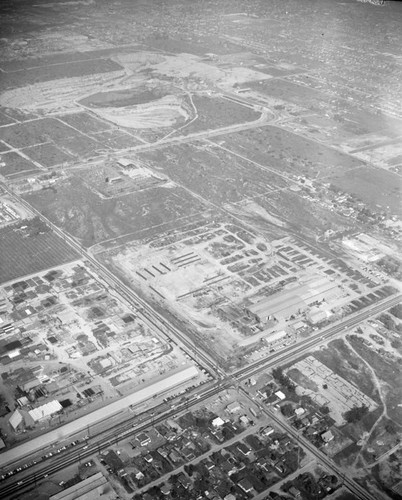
15,419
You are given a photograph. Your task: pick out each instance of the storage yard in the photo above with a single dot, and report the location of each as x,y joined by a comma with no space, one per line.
238,290
200,244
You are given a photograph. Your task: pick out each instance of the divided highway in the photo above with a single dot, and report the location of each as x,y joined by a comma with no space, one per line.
129,428
146,311
223,380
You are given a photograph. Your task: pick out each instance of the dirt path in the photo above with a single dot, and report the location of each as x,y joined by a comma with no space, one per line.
384,413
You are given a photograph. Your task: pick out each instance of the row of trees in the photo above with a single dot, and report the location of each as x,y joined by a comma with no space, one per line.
283,379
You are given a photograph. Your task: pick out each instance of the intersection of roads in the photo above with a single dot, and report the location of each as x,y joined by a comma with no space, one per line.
14,485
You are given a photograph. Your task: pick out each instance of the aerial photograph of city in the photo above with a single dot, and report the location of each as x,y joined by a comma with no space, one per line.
200,250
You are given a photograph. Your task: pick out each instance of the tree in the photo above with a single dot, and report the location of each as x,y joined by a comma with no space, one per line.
355,414
396,311
391,427
387,321
283,379
287,410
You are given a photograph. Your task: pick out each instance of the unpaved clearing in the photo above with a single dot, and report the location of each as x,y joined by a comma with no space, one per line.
334,391
165,112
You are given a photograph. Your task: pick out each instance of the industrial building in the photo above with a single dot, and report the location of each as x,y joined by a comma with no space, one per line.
93,488
167,384
364,248
295,300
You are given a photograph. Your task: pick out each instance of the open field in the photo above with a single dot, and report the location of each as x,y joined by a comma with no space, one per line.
195,46
127,97
302,215
5,119
52,135
375,187
155,112
75,208
38,248
15,165
341,360
288,153
212,172
85,122
36,132
339,395
116,139
288,91
217,112
31,76
48,155
150,120
388,370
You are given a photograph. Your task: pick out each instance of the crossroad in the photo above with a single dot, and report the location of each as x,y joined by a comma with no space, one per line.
133,426
12,488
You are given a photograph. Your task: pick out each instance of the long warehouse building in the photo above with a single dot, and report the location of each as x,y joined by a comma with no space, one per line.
102,414
291,301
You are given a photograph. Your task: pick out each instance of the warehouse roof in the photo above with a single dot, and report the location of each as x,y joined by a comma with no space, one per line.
91,488
99,415
45,410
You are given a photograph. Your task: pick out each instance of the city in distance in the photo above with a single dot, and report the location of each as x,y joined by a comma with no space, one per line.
200,250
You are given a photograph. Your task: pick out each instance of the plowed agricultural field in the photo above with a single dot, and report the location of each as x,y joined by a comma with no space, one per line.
29,247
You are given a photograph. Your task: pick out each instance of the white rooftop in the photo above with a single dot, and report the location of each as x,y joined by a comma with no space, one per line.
45,410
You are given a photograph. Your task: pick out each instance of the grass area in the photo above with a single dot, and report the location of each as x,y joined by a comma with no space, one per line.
213,173
32,76
288,152
373,186
343,361
48,155
85,122
300,379
79,211
217,112
388,371
16,165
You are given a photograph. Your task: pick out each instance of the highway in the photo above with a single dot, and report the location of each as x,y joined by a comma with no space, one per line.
295,350
354,487
134,425
147,313
96,443
154,319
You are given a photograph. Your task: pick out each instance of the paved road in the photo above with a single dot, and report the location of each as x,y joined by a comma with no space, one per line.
326,334
147,313
131,427
152,317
